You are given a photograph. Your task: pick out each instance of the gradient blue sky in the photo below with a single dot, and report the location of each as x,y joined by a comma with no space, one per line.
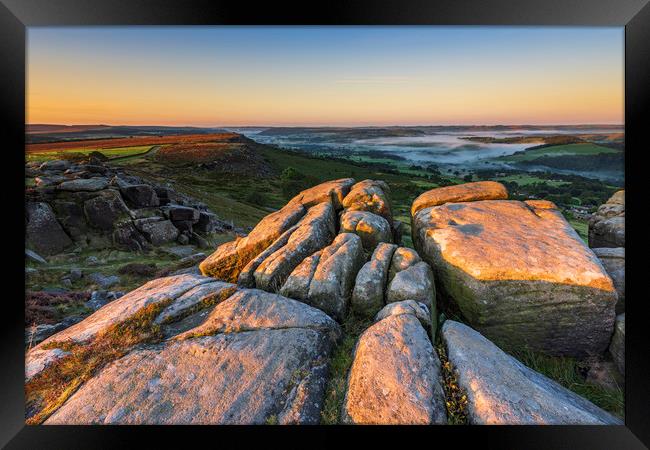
324,75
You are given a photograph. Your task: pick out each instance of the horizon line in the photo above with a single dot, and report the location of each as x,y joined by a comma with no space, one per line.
609,124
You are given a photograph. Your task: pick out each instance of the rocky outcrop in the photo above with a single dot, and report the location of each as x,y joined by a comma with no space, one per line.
607,225
371,228
43,233
395,377
501,390
617,346
95,206
370,284
613,259
518,273
333,191
276,348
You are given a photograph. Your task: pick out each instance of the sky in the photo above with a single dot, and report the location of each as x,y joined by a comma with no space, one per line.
336,76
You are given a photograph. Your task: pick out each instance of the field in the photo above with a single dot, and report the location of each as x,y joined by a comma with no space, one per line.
100,144
109,152
525,180
559,150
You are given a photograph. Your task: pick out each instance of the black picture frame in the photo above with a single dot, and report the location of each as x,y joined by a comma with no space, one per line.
16,15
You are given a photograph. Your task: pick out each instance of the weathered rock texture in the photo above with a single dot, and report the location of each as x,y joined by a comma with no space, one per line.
395,376
370,284
331,286
613,259
607,225
231,259
501,390
315,230
403,258
275,348
519,274
413,283
617,346
43,233
371,196
371,228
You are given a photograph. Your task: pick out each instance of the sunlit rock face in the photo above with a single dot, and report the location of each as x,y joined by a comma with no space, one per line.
371,228
371,196
229,259
501,390
403,258
315,231
258,358
395,376
468,192
232,258
607,224
519,274
333,191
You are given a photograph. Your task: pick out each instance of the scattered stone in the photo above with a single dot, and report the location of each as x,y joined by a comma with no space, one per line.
92,261
127,235
501,390
519,274
104,281
613,260
75,274
43,233
468,192
192,259
183,239
370,284
395,376
371,228
35,257
181,251
55,164
67,282
617,346
84,185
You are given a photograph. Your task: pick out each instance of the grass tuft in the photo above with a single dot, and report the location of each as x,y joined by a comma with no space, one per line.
455,396
566,371
340,363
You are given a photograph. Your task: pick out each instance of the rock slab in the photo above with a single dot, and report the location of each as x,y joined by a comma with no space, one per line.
501,390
